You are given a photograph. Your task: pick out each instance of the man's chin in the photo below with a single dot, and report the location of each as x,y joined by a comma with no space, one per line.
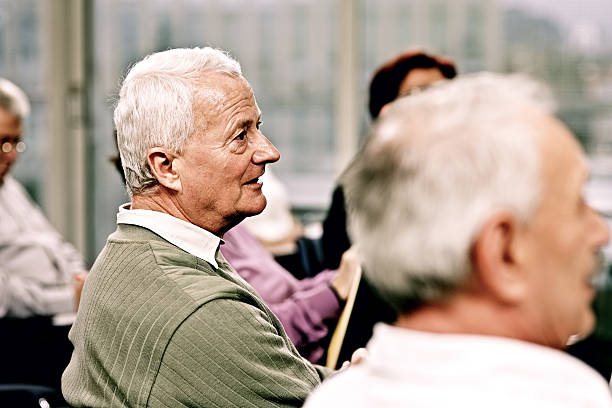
253,212
255,207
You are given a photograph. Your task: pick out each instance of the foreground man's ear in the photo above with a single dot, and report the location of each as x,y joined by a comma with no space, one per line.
164,167
497,261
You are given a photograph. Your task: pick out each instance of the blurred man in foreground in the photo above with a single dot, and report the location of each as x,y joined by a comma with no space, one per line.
164,320
467,208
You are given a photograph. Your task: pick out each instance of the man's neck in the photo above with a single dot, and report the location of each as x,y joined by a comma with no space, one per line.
157,199
465,315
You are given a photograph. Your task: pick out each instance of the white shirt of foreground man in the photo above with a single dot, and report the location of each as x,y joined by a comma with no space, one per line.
490,252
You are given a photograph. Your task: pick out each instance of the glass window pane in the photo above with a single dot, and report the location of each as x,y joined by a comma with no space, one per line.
21,62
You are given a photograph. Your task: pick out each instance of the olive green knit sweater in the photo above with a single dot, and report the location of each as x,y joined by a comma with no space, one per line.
158,327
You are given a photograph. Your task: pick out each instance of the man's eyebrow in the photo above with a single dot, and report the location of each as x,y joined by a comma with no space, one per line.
244,123
247,122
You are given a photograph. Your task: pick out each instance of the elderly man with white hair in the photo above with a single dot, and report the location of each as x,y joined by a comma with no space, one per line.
40,273
164,320
466,205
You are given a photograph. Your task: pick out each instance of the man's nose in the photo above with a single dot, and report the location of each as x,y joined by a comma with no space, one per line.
265,152
9,157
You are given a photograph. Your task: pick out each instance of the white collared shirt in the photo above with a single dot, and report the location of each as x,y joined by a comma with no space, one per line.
409,368
189,237
37,266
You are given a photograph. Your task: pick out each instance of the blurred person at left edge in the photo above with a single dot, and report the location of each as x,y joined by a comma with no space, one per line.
41,275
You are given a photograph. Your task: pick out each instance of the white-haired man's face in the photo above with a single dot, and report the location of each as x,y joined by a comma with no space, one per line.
562,241
10,135
222,162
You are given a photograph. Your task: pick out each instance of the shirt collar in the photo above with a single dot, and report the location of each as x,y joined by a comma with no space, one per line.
189,237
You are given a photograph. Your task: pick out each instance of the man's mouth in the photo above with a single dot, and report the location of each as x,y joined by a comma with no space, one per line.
254,181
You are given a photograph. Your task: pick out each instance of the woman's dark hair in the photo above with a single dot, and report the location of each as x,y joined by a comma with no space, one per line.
385,84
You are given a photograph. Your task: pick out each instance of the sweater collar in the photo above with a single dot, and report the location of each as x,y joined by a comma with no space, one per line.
189,237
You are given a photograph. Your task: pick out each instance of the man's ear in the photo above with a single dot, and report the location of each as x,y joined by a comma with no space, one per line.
164,169
497,260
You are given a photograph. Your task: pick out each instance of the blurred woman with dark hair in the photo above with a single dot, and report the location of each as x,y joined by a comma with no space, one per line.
400,76
405,73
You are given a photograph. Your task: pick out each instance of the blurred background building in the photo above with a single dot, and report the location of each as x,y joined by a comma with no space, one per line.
309,62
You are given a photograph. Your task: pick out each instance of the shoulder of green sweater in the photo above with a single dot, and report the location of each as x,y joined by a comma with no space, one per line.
166,254
192,275
198,278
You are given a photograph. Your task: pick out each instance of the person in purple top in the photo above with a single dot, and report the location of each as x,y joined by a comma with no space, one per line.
307,308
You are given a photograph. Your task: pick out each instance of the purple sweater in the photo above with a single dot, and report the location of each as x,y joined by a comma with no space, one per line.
300,305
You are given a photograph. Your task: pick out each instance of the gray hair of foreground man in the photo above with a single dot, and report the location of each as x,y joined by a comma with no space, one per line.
13,100
156,106
436,166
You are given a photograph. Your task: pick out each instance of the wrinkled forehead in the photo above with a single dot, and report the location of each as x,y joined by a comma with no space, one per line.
219,96
217,87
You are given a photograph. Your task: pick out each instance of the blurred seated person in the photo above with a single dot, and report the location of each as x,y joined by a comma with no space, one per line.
405,73
490,259
41,275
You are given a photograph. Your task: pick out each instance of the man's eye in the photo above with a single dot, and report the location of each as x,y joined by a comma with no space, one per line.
259,123
242,135
10,140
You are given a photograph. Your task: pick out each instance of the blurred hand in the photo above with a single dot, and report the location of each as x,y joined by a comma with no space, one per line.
349,265
357,357
79,281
